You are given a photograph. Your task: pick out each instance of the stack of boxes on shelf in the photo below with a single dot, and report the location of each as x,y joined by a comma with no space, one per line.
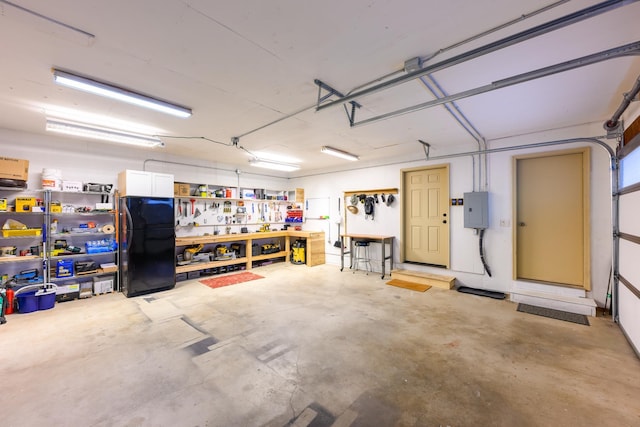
21,245
14,173
295,215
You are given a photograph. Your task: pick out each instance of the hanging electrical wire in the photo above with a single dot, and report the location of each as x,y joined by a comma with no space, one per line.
233,143
484,262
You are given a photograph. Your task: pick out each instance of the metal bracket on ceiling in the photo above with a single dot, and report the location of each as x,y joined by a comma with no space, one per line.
614,129
426,146
234,141
351,113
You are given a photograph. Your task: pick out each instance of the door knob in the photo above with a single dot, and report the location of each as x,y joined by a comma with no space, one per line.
444,221
521,224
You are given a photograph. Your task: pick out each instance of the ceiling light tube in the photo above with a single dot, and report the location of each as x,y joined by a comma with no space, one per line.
270,164
97,88
339,153
94,132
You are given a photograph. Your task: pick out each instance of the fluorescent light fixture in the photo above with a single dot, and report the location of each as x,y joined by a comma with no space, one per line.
270,164
95,132
274,157
62,114
339,153
97,88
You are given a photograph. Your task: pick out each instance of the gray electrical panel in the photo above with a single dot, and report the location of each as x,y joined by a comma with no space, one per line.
476,210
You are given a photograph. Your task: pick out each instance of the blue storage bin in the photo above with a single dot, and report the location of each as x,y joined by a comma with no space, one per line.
46,299
27,302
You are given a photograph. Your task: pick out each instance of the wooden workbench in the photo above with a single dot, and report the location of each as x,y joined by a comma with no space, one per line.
314,248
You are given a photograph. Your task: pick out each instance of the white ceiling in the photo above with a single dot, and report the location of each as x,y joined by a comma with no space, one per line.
243,64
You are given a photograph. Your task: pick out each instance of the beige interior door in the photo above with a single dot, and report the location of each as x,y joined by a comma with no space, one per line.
426,215
552,218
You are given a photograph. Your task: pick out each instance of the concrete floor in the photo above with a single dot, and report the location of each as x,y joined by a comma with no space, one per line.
311,346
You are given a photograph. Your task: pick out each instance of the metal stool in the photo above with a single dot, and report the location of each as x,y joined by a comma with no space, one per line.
361,256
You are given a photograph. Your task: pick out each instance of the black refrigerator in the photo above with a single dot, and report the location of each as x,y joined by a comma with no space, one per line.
147,245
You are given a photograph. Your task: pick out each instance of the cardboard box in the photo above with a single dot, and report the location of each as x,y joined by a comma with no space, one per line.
102,285
55,207
181,189
109,267
86,289
68,288
67,292
14,168
104,206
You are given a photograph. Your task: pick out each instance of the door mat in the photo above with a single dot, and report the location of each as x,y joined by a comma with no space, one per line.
482,292
408,285
232,279
554,314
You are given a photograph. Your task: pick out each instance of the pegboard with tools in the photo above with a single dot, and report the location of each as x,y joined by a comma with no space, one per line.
238,214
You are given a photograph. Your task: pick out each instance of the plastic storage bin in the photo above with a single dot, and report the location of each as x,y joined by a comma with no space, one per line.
27,302
46,299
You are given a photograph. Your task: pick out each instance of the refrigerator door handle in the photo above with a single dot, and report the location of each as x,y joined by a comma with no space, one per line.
129,220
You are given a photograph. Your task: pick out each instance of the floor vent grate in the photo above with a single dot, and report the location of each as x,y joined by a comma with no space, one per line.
554,314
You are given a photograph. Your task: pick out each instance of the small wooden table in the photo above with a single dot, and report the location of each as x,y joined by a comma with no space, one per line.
383,240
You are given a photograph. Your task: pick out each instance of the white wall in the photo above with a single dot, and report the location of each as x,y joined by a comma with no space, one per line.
465,261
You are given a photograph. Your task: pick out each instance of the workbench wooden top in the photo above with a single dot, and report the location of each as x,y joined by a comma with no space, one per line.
196,240
367,236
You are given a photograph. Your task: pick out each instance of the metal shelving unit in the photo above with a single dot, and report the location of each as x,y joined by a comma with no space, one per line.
11,266
79,237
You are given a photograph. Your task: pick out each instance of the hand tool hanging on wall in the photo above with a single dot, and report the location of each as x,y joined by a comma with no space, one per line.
193,205
338,242
369,207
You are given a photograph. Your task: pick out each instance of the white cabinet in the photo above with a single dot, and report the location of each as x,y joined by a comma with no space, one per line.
142,183
162,184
